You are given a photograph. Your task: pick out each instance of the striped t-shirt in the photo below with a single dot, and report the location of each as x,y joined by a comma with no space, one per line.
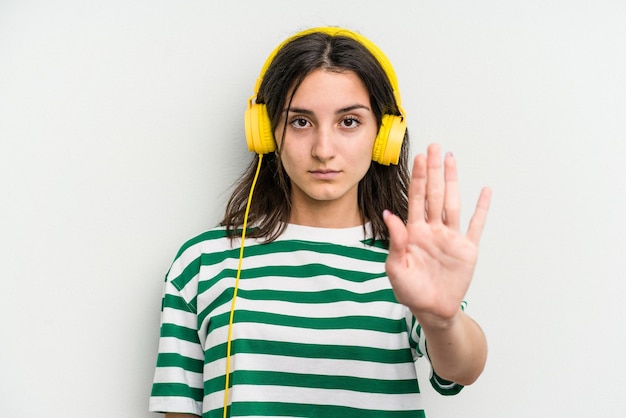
317,330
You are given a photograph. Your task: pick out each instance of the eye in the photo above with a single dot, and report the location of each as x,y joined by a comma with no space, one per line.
299,123
350,122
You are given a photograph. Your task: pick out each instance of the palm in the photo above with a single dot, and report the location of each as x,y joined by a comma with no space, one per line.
431,263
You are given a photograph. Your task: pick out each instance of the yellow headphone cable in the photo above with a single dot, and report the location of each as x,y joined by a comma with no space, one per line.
232,306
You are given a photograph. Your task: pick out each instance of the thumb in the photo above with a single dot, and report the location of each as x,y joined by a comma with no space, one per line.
398,237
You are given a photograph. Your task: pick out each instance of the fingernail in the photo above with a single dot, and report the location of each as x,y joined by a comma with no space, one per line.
449,154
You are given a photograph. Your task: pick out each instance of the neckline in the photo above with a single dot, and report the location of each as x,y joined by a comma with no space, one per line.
331,235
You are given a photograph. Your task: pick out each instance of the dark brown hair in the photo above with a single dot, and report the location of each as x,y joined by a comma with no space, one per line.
382,187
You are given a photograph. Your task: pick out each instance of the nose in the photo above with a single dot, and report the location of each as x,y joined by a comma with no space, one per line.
323,147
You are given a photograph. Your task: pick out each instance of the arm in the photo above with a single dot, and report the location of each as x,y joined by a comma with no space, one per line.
177,415
431,264
457,352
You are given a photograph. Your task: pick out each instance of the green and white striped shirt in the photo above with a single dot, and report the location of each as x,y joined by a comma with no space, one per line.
317,330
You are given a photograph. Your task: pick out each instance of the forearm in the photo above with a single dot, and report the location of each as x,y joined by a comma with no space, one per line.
457,348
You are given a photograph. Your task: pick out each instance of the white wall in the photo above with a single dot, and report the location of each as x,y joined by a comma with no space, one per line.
121,132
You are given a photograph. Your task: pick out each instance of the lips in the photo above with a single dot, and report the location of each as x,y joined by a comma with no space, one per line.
324,174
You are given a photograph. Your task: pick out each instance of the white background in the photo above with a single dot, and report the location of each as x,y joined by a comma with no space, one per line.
121,132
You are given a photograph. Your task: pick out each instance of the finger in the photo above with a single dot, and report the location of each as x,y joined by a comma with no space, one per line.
452,200
417,191
477,223
434,185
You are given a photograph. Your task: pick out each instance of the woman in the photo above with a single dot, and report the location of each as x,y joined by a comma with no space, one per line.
320,289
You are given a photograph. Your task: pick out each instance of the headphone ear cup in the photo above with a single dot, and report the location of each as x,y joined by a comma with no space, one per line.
389,140
259,129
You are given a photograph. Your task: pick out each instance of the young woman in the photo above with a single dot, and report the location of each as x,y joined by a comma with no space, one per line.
334,269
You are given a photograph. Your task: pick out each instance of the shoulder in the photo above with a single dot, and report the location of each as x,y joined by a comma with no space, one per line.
217,235
214,240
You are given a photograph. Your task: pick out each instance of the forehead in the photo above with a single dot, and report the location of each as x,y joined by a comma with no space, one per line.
326,86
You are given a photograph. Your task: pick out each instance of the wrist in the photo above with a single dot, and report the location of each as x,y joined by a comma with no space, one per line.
435,323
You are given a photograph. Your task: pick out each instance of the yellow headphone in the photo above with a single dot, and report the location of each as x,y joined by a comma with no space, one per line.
390,135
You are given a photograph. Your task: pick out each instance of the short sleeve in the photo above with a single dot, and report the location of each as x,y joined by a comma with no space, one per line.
178,380
418,343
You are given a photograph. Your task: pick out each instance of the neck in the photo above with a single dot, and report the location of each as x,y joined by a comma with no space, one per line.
325,215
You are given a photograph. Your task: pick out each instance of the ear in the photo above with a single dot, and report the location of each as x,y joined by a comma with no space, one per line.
388,144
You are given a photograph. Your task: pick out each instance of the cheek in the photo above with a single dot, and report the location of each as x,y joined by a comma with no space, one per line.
358,158
290,156
360,153
364,164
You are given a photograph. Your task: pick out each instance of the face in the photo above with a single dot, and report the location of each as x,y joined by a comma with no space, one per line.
327,146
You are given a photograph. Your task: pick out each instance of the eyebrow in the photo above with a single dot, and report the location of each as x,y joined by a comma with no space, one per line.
339,111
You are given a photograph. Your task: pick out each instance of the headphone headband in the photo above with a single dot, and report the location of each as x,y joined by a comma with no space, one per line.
336,31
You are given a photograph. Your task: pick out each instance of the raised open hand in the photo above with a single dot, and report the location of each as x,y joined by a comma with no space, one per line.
430,262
